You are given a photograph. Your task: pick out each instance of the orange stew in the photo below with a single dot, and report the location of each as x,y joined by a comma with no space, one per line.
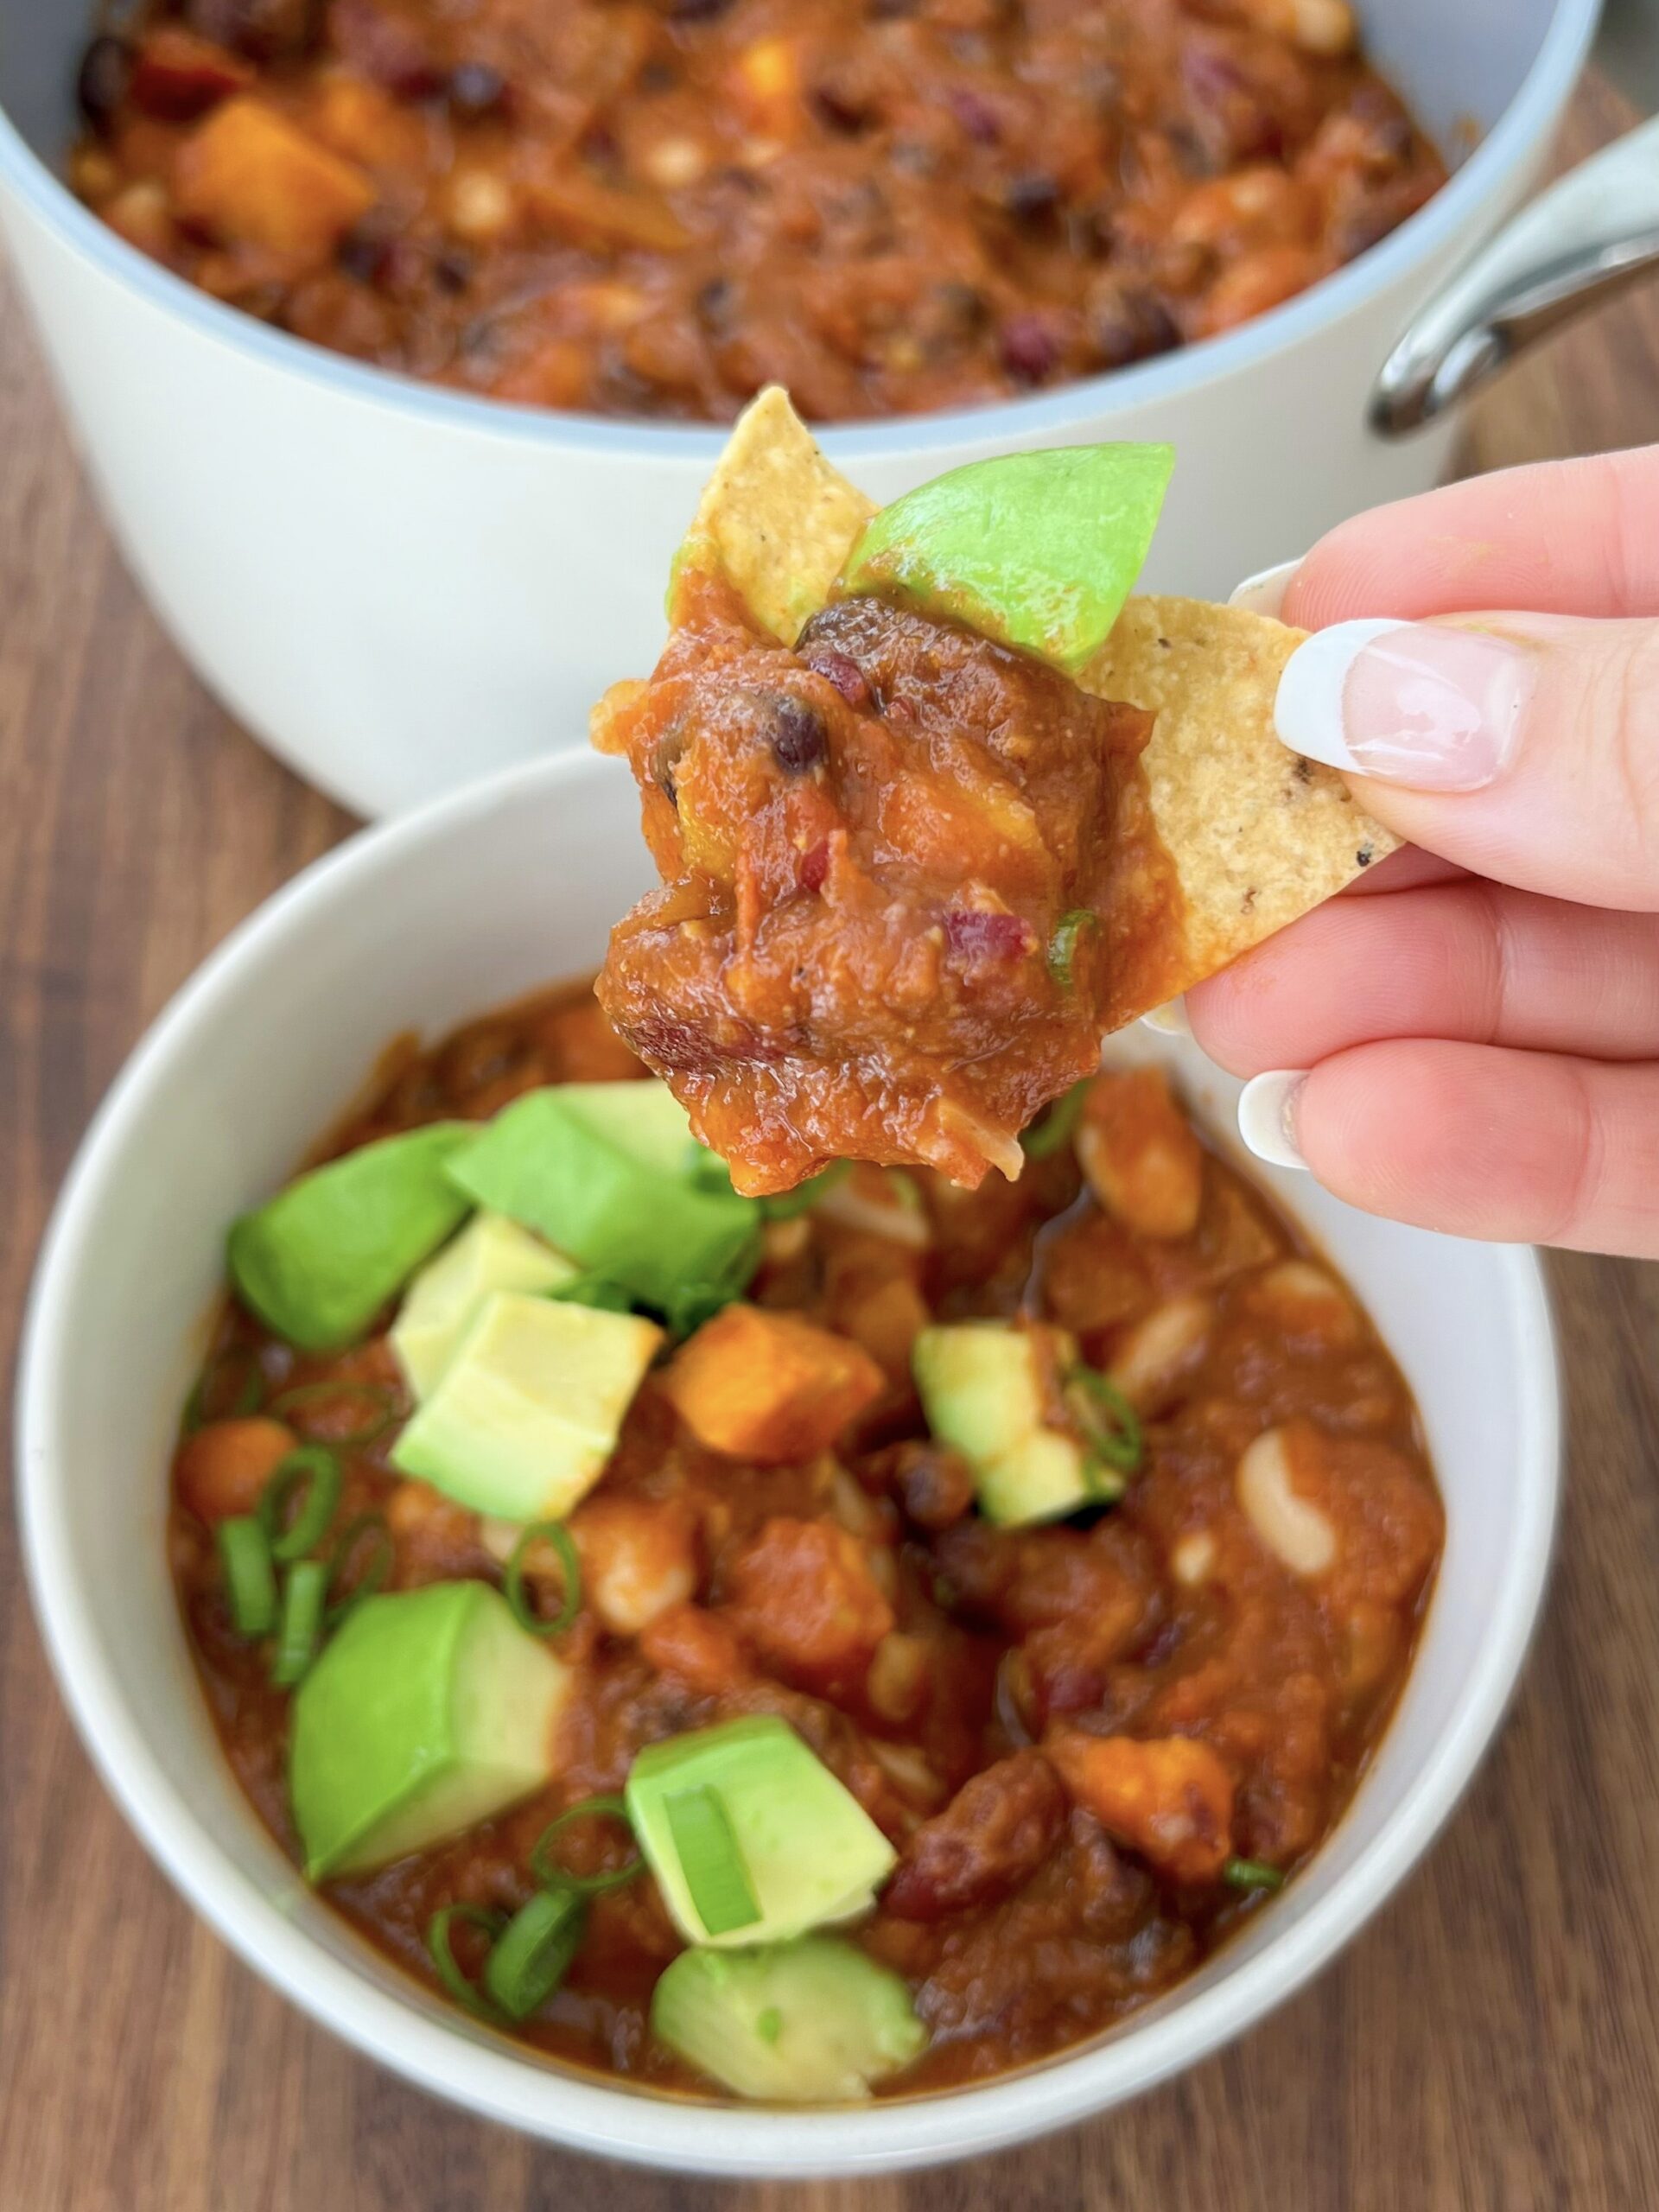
654,207
1091,1742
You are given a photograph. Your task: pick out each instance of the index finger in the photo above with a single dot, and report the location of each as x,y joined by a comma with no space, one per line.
1565,537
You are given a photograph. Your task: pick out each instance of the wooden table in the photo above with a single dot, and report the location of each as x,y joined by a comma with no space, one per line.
1492,2041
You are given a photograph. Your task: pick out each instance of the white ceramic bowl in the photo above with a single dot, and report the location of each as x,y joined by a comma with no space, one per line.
418,926
398,587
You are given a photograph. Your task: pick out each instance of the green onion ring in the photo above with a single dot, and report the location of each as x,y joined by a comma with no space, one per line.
552,1875
711,1860
250,1577
299,1630
1054,1132
555,1533
1117,1440
1251,1874
370,1578
532,1954
249,1398
464,1992
315,1466
356,1440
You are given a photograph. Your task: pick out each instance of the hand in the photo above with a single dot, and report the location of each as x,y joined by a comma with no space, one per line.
1471,1042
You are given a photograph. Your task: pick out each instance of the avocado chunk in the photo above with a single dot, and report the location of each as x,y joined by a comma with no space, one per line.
1038,550
750,1836
439,1305
431,1710
981,1389
318,1262
528,1407
609,1172
809,2022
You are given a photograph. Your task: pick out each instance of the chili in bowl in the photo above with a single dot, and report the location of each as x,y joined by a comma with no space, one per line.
1015,1649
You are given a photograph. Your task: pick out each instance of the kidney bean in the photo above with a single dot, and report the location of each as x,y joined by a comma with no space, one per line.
935,1484
979,936
391,51
796,734
106,73
975,115
1032,196
842,671
815,866
1029,348
993,1835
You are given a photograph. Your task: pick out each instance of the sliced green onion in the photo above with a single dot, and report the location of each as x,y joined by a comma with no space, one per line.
310,1394
594,1290
532,1954
370,1577
299,1630
1054,1132
523,1608
553,1876
249,1574
463,1990
710,1861
1251,1874
314,1469
804,1196
1063,945
1109,1425
249,1398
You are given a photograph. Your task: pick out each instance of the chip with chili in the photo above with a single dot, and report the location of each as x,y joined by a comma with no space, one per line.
913,872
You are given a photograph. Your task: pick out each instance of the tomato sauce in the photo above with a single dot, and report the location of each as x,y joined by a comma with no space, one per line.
1071,1733
654,207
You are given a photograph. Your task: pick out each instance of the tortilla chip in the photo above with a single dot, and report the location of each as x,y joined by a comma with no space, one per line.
776,519
1256,835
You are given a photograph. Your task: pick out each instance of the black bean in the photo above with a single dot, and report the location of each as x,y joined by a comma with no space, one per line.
841,670
474,91
715,304
796,734
1030,197
106,74
838,111
1029,349
452,269
365,253
1131,324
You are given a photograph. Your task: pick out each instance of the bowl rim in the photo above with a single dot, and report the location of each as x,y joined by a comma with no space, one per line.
1514,135
487,2075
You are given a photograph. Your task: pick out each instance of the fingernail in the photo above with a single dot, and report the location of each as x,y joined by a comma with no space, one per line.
1267,1116
1169,1021
1426,705
1264,593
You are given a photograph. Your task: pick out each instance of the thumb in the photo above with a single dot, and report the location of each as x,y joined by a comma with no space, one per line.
1522,747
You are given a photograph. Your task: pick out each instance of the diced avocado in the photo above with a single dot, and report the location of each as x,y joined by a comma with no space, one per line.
1035,549
439,1305
606,1172
430,1710
981,1391
318,1262
528,1410
810,2022
806,1852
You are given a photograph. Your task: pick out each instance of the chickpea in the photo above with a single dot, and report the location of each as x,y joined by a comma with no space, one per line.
221,1470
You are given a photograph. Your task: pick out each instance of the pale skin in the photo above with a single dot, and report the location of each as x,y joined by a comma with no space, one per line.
1478,1022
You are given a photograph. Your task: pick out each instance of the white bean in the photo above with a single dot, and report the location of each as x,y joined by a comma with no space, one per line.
1152,1358
1295,1531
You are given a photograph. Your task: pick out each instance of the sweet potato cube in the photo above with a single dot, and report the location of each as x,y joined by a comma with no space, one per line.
763,1386
256,179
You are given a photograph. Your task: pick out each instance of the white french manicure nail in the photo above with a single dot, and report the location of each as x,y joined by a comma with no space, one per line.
1267,1116
1308,712
1264,593
1169,1021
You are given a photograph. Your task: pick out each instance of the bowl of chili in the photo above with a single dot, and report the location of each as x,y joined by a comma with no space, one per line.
399,354
420,927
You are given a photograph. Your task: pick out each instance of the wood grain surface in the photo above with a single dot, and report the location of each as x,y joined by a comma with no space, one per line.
1492,2041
